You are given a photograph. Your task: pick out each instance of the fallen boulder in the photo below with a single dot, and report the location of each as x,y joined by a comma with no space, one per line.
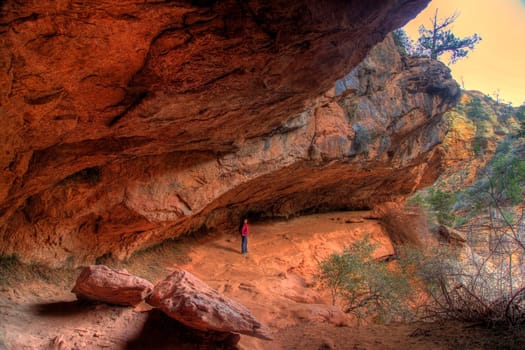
101,283
192,302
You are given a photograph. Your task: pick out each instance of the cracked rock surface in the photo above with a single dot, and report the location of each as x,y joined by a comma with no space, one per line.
189,300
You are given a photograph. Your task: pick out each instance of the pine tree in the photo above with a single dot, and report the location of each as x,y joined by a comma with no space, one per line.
439,39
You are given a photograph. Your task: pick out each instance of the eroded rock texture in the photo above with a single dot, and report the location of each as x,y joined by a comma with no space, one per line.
101,283
125,123
192,302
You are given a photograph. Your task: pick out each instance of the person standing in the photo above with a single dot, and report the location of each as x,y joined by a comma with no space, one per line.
245,231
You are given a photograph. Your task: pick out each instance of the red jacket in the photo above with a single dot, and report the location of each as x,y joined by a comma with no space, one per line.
245,230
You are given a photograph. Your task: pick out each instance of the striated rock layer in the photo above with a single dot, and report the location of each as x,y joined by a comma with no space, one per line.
192,302
126,123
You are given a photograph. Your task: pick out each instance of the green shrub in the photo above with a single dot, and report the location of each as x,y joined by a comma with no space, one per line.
479,145
364,286
417,200
442,203
501,183
404,44
460,221
504,147
475,110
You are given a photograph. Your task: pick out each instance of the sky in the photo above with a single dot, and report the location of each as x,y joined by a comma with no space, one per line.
496,66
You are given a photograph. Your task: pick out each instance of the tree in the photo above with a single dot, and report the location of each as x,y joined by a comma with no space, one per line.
439,39
404,44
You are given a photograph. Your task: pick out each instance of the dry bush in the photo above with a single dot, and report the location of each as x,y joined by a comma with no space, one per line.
462,284
466,287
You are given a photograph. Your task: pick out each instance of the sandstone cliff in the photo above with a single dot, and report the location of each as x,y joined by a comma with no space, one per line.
483,145
128,123
477,126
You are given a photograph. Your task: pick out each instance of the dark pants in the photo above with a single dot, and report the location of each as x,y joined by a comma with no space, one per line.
244,244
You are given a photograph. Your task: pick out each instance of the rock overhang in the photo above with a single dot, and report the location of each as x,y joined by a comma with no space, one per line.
130,123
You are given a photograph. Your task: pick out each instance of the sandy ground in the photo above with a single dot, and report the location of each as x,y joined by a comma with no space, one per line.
275,280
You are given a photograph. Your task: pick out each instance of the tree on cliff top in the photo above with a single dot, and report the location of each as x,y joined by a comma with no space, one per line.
439,39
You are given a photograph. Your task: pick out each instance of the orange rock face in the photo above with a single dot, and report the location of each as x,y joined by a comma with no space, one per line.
127,123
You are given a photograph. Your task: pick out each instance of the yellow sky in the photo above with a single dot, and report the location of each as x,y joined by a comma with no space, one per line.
498,61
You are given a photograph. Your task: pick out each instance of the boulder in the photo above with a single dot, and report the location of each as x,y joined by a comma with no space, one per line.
101,283
192,302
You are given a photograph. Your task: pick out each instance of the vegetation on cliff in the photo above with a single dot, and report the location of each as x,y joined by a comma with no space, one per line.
481,195
476,272
486,163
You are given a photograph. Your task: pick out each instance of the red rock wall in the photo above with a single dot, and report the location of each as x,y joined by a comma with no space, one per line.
126,123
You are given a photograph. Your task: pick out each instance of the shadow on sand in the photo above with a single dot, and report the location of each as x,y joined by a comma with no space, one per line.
64,308
162,332
226,248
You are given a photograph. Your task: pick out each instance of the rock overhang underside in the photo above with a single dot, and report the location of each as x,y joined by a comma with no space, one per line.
129,123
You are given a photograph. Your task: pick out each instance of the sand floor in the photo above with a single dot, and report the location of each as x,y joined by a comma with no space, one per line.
275,280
